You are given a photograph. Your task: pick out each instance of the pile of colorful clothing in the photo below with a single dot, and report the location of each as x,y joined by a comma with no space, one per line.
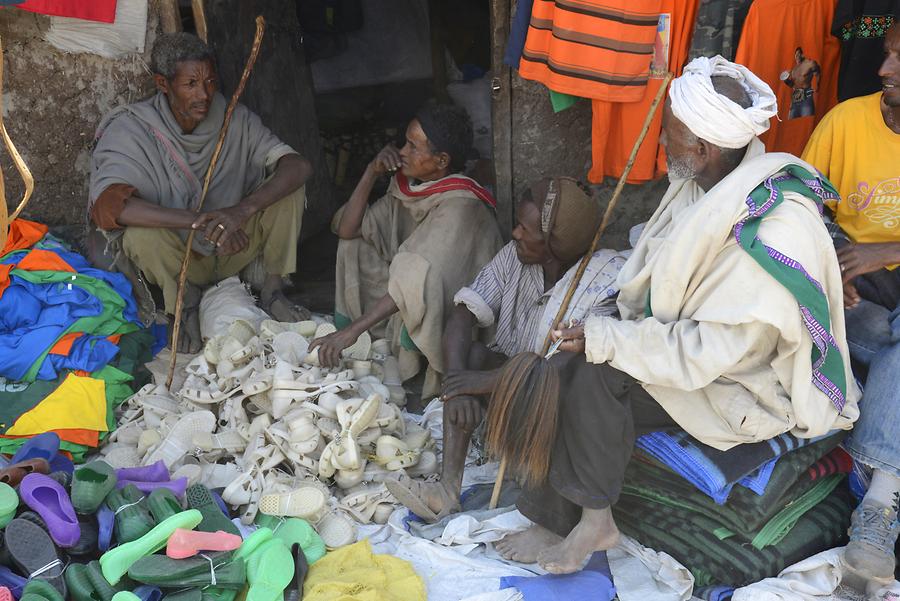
71,345
738,516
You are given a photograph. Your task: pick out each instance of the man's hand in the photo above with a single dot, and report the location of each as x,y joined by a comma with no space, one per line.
330,346
233,243
388,160
468,382
851,296
464,412
573,338
859,259
217,226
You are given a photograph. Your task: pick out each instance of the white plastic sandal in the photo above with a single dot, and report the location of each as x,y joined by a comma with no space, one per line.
307,502
394,454
290,347
225,440
336,529
179,440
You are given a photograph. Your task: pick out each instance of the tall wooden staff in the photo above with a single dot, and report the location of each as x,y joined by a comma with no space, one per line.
582,266
182,275
5,217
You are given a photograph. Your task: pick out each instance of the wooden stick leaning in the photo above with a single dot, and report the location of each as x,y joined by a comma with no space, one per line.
182,275
582,266
19,162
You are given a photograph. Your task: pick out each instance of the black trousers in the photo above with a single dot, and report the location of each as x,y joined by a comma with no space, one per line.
602,411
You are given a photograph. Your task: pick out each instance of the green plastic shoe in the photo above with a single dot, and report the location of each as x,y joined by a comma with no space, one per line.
115,562
192,594
252,543
9,502
126,596
78,583
43,589
296,531
163,504
220,594
198,497
90,485
103,590
269,571
200,571
132,518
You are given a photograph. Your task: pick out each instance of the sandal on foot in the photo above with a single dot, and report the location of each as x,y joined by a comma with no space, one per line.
411,493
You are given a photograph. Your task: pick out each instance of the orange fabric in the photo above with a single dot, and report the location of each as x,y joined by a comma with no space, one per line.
115,338
63,346
615,125
23,234
773,31
43,260
4,277
591,48
88,438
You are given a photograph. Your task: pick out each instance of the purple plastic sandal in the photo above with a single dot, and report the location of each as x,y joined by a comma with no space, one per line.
50,500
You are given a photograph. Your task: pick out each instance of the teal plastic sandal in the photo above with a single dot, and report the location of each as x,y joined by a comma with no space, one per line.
115,562
269,571
9,502
219,569
252,543
296,531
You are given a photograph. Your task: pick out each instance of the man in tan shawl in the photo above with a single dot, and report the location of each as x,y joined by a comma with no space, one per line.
731,326
404,257
147,174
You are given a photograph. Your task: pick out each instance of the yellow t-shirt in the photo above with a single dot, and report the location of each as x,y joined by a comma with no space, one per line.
857,151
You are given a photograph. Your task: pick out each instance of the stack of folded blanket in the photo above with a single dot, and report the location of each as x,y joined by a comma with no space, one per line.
71,344
738,516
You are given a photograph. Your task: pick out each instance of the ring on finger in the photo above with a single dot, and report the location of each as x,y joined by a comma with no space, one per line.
220,226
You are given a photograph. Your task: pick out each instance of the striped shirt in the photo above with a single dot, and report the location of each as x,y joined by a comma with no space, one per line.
510,295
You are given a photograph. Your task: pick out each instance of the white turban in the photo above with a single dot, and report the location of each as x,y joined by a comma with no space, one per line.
713,117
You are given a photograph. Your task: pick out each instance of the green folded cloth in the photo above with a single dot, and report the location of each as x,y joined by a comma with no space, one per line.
685,536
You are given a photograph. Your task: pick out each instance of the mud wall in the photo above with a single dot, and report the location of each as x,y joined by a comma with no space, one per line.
545,144
52,102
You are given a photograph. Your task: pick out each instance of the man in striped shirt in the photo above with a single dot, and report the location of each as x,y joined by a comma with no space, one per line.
517,295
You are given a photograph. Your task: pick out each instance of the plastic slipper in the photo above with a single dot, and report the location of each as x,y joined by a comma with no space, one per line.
12,474
133,519
42,589
32,552
215,475
359,350
9,502
290,347
80,587
306,502
294,590
43,446
200,498
394,454
230,441
269,571
163,504
191,594
252,543
428,464
179,440
90,485
11,581
336,529
116,562
61,463
155,472
6,594
187,543
106,521
50,500
190,472
103,590
87,542
294,531
200,571
145,592
125,596
349,478
176,486
410,493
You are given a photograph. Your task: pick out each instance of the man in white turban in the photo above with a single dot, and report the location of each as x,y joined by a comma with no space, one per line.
731,324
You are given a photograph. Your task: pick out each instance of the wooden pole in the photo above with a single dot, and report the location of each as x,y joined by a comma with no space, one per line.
582,266
182,276
169,16
21,167
199,8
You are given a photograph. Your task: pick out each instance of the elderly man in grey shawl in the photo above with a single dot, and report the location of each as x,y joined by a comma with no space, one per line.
147,174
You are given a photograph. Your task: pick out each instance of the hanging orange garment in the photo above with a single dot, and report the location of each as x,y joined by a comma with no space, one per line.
615,125
591,48
788,44
23,234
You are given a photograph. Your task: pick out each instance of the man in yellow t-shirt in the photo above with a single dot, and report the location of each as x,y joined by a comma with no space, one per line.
857,146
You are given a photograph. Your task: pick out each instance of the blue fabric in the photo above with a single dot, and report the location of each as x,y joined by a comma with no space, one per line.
759,480
518,31
160,333
714,593
715,472
594,582
12,581
34,315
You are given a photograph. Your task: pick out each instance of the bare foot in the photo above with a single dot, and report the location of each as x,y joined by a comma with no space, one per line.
525,546
189,339
596,531
281,308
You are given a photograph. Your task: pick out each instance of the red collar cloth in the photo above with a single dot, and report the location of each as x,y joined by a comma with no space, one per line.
447,184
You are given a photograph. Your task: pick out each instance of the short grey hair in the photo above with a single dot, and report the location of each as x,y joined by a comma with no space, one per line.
173,48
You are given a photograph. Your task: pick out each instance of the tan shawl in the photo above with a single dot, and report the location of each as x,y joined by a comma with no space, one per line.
726,353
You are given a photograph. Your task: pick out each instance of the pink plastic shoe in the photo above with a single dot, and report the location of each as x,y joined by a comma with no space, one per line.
5,594
187,543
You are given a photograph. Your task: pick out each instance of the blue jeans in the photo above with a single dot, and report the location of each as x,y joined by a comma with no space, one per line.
873,335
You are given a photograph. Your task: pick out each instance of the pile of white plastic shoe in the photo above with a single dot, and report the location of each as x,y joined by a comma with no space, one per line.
260,419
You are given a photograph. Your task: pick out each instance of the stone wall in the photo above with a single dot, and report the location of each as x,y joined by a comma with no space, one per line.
52,102
545,144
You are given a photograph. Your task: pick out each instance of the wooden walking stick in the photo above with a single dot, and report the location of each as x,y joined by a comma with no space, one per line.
182,275
582,266
5,217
